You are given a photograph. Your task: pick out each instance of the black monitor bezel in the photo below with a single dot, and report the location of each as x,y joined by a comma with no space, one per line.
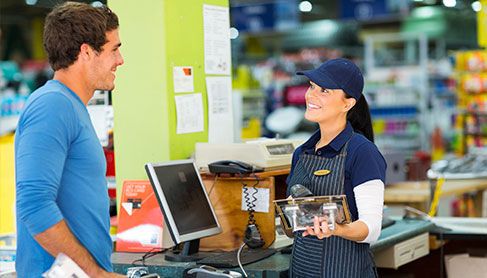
169,221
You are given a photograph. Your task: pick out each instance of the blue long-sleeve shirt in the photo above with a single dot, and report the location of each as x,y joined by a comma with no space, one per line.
60,174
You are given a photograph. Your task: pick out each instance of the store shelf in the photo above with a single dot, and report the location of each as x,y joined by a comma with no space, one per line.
256,93
411,106
8,124
474,114
472,95
482,134
399,134
398,92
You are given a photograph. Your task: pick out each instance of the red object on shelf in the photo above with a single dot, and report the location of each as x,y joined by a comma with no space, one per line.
110,157
112,193
294,95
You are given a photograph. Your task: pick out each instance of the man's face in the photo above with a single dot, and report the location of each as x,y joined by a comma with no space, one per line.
105,63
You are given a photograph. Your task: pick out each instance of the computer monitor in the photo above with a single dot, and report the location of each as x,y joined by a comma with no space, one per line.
188,214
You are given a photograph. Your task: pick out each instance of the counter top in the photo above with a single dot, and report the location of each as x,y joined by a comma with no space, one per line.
275,265
400,231
420,191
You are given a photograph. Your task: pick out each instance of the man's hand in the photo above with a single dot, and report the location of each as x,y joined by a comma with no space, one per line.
59,239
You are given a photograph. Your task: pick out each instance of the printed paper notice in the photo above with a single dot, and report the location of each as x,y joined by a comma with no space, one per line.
189,112
259,200
183,79
216,26
220,116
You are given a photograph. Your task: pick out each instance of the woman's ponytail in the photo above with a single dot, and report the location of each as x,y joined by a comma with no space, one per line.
359,117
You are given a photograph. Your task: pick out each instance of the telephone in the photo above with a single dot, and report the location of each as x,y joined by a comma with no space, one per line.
232,167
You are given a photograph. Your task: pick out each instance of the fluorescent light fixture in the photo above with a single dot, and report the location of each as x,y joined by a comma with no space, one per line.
477,6
424,12
450,3
233,33
31,2
305,6
418,0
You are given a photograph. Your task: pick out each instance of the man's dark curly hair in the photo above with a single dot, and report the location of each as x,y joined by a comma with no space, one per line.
71,24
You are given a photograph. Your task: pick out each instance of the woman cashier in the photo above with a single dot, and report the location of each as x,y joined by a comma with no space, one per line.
344,146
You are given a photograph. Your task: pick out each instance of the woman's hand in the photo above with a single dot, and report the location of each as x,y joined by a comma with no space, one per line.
320,228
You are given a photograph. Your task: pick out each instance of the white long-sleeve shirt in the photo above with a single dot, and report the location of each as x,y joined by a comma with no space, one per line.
369,197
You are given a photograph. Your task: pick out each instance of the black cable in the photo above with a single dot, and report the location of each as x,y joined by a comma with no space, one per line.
250,199
147,255
213,185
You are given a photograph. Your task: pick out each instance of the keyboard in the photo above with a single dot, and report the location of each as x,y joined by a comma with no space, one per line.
229,259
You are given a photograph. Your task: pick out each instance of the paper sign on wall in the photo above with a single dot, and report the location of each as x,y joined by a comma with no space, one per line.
189,113
183,79
220,116
216,26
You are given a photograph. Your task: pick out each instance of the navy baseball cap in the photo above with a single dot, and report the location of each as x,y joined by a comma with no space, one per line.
338,74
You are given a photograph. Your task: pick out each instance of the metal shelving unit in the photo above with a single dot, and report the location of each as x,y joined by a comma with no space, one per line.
396,89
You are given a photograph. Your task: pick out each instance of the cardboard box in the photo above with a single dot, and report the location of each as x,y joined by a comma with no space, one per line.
465,266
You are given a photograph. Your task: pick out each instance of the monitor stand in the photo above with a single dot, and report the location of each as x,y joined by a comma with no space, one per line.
188,254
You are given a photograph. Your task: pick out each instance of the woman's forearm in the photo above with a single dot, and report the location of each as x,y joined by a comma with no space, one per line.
355,231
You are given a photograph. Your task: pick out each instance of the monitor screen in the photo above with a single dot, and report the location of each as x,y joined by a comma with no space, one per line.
185,204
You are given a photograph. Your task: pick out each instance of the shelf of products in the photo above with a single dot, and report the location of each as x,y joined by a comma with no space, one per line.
471,73
396,90
15,86
249,104
410,94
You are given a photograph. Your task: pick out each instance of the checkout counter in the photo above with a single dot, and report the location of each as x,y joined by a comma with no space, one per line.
404,241
403,236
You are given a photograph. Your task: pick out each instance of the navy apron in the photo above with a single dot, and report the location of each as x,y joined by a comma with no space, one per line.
333,256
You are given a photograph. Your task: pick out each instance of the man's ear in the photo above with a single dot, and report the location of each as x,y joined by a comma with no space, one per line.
349,103
85,52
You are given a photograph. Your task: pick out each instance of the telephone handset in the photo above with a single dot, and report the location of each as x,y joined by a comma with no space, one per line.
232,167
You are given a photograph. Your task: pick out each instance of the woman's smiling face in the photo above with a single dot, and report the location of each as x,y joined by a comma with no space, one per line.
324,104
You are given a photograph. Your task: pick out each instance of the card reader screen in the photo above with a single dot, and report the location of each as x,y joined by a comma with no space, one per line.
280,149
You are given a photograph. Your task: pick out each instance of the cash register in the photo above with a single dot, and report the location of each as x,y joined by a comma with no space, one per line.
268,154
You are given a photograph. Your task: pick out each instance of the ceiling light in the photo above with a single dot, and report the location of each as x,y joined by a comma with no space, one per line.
450,3
305,6
31,2
477,6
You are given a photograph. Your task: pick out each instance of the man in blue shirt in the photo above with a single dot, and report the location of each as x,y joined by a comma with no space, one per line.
62,199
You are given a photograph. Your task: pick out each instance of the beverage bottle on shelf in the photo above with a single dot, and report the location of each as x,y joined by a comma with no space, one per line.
437,145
